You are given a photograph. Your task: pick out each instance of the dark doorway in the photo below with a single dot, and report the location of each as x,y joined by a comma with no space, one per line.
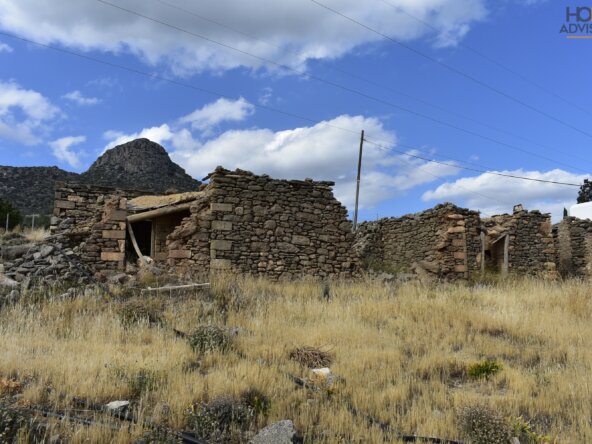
143,233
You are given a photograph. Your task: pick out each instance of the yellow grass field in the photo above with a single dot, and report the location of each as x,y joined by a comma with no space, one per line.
402,350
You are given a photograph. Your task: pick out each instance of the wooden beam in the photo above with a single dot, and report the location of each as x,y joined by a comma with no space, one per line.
159,212
134,243
176,287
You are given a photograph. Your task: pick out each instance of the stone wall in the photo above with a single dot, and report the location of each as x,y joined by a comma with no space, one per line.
262,226
443,241
92,220
531,248
573,244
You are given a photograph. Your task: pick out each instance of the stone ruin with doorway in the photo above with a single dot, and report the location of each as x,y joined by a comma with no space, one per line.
286,229
453,243
238,221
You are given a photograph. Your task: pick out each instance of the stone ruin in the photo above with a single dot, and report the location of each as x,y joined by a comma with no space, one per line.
453,243
239,221
573,240
443,241
286,229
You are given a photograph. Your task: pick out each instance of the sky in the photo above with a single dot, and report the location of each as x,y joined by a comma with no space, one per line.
285,88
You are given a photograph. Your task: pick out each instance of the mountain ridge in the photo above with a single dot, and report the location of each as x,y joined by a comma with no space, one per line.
139,164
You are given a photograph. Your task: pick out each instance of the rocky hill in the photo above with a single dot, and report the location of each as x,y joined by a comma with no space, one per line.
140,165
30,189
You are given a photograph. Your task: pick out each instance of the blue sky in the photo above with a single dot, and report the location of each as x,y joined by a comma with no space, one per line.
59,109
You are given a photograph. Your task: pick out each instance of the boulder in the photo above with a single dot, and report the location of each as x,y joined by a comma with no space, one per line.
282,432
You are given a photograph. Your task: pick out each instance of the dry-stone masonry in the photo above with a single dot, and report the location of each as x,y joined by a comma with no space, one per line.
573,244
531,249
263,226
443,241
241,222
92,220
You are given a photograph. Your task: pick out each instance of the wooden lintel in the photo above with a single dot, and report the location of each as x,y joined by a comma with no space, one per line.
158,212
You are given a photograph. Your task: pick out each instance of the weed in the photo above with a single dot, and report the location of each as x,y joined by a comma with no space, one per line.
209,338
523,431
138,310
224,420
484,369
140,382
257,401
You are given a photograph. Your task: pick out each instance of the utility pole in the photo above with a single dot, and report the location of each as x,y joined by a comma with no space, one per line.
358,182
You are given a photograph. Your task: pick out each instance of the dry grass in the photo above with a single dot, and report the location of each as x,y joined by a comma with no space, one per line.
36,234
402,352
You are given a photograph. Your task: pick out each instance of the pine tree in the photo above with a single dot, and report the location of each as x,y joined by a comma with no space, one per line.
585,194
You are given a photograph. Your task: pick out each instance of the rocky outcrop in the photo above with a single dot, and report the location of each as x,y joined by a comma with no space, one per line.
139,165
30,189
136,165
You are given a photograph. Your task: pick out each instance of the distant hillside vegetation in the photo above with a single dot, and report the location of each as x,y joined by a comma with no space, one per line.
140,165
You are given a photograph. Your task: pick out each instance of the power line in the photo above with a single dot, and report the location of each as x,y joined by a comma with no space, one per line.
342,87
491,60
265,107
454,70
511,176
365,79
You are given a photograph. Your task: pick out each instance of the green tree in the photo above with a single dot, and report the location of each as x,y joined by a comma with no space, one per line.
6,208
585,194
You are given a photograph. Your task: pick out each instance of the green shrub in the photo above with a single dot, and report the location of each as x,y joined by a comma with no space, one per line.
209,338
482,425
484,369
523,431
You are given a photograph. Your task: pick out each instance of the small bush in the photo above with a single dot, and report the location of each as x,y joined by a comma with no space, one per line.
482,425
224,420
484,370
209,338
12,421
140,382
311,357
138,310
523,431
257,401
159,436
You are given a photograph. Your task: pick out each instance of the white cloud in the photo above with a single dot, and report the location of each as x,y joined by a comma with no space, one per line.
5,48
322,152
77,97
291,31
62,149
24,113
495,194
222,110
159,134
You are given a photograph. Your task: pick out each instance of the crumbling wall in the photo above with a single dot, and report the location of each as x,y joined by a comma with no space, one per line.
573,244
443,241
531,248
92,220
188,246
162,227
262,226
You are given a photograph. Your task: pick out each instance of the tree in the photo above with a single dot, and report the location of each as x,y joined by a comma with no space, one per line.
585,194
6,208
